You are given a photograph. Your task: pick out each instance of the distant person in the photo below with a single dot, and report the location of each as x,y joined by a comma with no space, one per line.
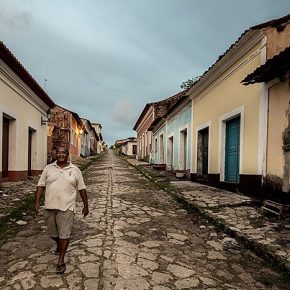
61,180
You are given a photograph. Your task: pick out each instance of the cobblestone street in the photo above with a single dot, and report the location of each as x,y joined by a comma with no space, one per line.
135,237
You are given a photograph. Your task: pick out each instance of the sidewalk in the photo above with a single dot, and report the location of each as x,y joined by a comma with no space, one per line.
237,215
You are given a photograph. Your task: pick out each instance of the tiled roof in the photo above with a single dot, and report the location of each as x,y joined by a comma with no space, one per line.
164,106
7,57
162,110
167,106
272,23
75,115
146,108
273,68
160,107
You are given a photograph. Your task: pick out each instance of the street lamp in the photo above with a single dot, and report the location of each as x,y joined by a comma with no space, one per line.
48,116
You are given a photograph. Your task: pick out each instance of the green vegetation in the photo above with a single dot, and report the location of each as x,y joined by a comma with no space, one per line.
24,209
84,166
8,224
146,158
189,83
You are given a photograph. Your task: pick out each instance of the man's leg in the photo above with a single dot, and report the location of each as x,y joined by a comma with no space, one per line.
56,239
64,222
49,216
63,245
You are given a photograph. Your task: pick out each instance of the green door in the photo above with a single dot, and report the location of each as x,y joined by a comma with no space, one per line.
232,150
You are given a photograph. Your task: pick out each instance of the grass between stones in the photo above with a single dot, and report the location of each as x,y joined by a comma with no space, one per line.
22,210
269,259
84,166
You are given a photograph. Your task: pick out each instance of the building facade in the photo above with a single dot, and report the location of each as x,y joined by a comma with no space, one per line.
99,139
274,77
23,107
64,129
172,138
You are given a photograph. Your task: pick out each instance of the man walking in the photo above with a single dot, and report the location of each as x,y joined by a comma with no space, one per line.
61,180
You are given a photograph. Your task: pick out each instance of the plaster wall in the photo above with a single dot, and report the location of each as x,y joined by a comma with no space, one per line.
156,145
128,148
224,96
24,109
176,124
277,40
144,137
279,98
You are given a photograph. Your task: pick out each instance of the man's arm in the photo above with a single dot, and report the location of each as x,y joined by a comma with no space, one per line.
84,197
38,194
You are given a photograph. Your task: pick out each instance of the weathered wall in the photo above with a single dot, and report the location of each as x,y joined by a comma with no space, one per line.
225,95
24,113
156,145
176,124
279,97
144,137
277,40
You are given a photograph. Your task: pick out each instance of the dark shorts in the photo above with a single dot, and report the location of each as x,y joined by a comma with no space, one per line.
59,223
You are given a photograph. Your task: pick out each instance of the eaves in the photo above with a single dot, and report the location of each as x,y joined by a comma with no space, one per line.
142,122
242,46
159,125
11,80
141,117
14,64
178,109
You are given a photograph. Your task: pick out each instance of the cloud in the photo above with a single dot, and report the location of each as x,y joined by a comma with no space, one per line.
12,20
106,59
124,113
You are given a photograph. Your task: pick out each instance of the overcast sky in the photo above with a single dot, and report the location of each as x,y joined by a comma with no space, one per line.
105,59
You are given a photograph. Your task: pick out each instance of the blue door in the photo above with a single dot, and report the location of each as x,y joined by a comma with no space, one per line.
232,150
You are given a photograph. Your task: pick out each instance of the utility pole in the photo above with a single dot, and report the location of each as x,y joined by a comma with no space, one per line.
44,86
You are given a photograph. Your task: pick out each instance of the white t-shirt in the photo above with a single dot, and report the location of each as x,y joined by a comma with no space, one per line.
61,185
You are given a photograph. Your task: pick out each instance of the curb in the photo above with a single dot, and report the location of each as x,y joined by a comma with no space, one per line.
259,249
256,247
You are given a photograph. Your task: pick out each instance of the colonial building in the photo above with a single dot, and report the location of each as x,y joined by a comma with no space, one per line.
151,112
274,79
128,146
23,108
100,142
229,120
64,129
172,137
86,137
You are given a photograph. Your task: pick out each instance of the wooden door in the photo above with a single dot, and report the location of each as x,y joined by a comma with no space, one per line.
5,147
232,150
29,151
202,154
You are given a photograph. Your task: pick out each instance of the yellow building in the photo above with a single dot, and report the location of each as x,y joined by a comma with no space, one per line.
229,120
23,108
274,75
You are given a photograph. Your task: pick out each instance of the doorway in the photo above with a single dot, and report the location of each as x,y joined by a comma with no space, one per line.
170,153
5,147
183,150
30,134
161,148
202,154
232,150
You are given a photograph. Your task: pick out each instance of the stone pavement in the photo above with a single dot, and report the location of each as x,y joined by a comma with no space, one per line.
240,216
136,237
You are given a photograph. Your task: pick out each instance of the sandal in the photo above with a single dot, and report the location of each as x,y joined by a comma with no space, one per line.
60,269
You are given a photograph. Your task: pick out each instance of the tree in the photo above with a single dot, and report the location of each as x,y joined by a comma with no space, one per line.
189,83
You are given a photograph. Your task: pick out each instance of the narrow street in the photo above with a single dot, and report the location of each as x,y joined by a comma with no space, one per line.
135,237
